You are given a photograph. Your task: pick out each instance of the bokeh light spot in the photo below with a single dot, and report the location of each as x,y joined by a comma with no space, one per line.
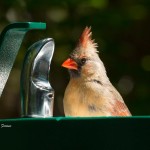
11,15
125,85
137,12
99,3
57,14
145,63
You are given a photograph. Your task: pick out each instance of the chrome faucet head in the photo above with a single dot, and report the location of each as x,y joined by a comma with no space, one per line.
37,95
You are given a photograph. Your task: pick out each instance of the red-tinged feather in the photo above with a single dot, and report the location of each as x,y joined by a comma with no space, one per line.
120,109
89,92
86,38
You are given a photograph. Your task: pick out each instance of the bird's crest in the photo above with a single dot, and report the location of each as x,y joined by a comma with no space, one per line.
86,38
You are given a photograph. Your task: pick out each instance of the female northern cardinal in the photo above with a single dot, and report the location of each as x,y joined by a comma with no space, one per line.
89,92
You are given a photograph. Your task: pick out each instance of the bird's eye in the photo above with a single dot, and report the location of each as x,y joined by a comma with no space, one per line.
83,60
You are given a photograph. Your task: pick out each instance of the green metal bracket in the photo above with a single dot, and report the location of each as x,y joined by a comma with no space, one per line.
10,42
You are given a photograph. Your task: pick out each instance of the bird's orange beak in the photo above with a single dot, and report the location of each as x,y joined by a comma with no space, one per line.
70,64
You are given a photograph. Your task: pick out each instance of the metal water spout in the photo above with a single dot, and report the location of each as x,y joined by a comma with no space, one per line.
37,95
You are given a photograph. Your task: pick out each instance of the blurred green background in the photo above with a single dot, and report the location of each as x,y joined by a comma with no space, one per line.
120,27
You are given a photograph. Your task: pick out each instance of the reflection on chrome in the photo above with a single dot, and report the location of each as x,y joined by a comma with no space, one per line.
36,92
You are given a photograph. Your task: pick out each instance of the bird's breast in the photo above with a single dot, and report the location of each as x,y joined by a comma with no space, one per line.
81,100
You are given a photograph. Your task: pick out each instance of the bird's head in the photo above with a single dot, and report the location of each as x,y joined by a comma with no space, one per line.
84,60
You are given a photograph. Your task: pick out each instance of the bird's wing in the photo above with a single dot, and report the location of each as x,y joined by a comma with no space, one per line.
120,109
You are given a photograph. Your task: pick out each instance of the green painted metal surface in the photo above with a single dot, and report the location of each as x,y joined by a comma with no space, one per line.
63,133
10,42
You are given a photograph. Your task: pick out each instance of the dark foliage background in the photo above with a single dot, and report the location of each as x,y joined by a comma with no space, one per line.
120,27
